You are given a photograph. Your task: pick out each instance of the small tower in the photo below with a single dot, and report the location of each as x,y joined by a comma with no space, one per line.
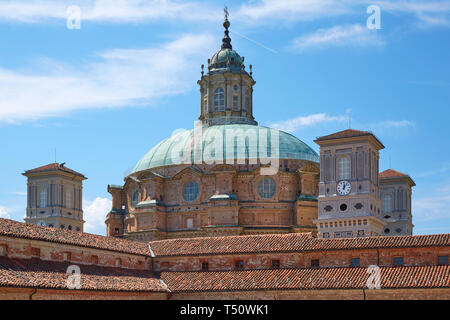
349,203
226,90
395,194
55,197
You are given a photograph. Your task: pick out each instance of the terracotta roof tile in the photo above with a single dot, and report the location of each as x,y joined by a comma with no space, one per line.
11,228
389,173
349,133
345,134
37,273
311,278
291,242
54,167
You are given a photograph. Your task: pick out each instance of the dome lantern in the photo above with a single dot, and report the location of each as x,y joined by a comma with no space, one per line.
226,89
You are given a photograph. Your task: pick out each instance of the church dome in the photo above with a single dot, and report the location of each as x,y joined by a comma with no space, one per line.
226,59
169,152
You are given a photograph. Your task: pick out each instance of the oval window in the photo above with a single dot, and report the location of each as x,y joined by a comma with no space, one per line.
190,191
266,188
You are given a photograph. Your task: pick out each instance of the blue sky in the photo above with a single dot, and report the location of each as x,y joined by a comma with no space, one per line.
104,94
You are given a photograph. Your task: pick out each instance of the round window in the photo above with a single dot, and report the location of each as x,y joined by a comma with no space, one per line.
387,230
235,87
267,188
343,207
190,191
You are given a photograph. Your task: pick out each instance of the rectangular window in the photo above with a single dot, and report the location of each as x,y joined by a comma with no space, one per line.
275,264
315,263
205,266
354,262
398,261
443,260
235,102
344,168
239,265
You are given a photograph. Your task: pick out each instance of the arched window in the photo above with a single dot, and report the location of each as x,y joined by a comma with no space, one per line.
344,168
43,198
387,203
219,100
135,198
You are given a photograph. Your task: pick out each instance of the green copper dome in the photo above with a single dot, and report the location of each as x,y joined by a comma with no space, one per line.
222,142
226,59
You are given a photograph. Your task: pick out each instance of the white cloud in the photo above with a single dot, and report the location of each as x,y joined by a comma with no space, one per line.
396,123
122,77
431,208
349,35
4,213
94,213
19,193
433,172
119,11
252,11
293,10
295,124
393,128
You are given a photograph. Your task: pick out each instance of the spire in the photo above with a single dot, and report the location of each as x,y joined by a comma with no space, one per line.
226,41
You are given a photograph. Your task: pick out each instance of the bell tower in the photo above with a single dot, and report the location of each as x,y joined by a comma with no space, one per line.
349,201
226,90
55,197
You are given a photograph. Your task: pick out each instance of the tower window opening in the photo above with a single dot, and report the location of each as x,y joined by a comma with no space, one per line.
43,198
344,168
387,203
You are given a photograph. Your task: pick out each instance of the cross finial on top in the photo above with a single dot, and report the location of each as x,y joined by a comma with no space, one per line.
225,10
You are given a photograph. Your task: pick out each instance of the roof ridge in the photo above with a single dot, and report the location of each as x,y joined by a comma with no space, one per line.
13,228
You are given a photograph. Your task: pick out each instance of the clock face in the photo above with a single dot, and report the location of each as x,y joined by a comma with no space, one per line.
344,188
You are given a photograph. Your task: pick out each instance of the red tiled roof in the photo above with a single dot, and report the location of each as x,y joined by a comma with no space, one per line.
291,242
37,273
345,134
389,173
11,228
304,279
349,133
54,167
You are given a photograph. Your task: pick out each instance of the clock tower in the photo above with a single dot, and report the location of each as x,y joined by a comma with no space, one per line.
349,202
